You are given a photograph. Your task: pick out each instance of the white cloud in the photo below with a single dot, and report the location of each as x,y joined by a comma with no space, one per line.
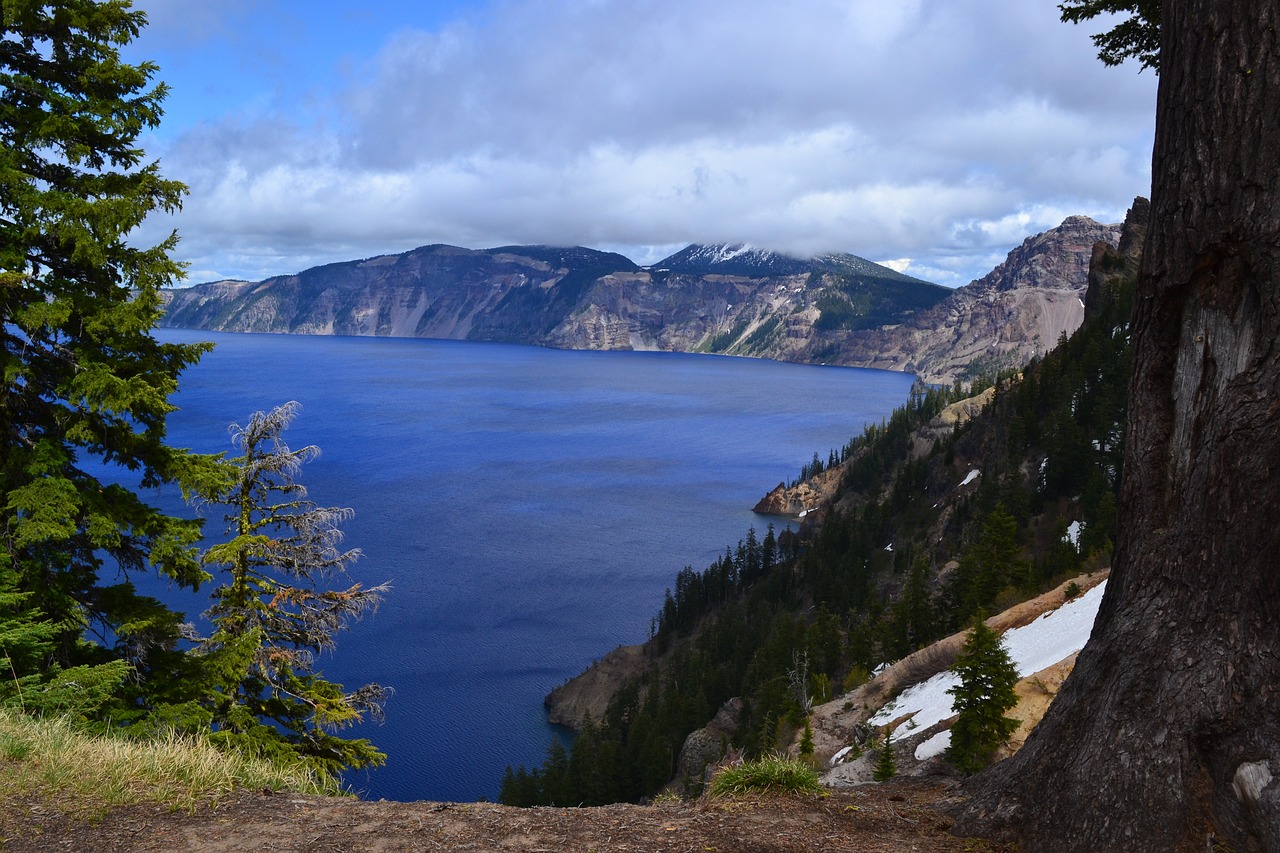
896,264
944,131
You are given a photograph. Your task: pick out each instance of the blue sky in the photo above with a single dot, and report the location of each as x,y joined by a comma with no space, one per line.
933,134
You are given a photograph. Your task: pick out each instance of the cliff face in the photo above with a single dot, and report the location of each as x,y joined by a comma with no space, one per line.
434,291
1018,310
834,309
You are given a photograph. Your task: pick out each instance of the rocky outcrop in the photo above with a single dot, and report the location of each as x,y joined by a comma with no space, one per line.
1109,266
708,746
800,499
589,693
810,498
1018,310
734,300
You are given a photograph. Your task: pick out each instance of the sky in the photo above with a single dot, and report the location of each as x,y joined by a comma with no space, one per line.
930,135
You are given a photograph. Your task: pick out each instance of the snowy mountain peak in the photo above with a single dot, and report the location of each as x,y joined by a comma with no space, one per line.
732,259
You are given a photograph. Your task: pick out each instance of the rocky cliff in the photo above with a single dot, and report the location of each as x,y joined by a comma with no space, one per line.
1018,310
834,309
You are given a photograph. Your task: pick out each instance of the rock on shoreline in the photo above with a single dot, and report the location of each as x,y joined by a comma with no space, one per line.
589,693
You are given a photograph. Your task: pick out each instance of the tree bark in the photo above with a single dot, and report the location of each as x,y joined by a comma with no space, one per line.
1167,735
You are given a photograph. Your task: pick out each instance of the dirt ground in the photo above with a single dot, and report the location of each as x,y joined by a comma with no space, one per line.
888,818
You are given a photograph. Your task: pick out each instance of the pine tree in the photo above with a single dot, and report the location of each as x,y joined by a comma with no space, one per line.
806,741
271,618
912,623
520,787
86,385
1167,726
984,694
1137,36
886,768
555,776
28,681
988,565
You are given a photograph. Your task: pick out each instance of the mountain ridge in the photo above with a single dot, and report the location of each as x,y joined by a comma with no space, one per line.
730,299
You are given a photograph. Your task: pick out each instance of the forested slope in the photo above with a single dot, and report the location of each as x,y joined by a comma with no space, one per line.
931,524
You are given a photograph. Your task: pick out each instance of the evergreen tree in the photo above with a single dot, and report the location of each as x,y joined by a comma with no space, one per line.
886,768
270,617
34,685
592,767
768,550
913,622
984,694
520,787
806,741
988,565
86,385
1137,36
555,787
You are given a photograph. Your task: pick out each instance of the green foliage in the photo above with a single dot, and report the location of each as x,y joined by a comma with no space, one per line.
875,455
984,694
861,300
987,566
771,774
1134,37
86,385
806,742
886,768
29,682
722,341
271,617
913,619
587,776
837,312
762,337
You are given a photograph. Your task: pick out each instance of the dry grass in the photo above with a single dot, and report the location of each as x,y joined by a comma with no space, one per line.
924,664
90,773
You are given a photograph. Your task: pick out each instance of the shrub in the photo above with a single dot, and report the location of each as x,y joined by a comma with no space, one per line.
806,743
771,774
857,676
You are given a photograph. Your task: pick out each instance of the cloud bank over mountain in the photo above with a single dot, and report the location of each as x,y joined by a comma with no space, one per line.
935,133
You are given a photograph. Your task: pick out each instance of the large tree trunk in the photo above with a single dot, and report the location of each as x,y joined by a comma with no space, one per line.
1168,731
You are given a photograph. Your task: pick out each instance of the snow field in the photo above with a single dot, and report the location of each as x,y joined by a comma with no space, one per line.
1055,635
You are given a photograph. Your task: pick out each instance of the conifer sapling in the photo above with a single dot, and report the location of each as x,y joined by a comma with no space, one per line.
984,694
886,768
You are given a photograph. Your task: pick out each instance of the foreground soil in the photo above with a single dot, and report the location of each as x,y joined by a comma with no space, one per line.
897,816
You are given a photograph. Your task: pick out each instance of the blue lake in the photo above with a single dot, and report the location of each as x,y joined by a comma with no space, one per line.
528,506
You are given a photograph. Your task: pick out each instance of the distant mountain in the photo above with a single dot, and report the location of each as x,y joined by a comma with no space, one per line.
1020,309
738,259
728,299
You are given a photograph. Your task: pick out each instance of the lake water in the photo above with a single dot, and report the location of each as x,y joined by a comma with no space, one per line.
528,506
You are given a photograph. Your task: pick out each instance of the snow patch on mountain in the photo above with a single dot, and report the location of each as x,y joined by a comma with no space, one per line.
1052,637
